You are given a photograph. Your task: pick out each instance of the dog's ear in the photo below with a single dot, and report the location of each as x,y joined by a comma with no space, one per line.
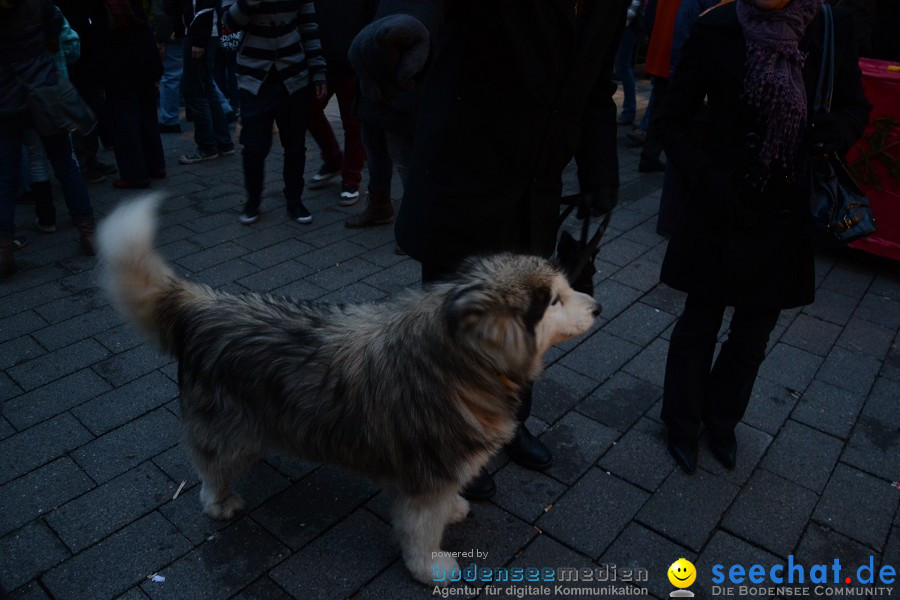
540,300
465,305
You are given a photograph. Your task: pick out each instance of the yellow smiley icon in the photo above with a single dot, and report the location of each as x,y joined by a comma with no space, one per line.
682,573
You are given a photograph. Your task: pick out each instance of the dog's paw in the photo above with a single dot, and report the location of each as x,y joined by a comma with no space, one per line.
459,510
222,509
435,571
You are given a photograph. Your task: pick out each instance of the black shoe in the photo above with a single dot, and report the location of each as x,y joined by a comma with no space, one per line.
176,128
528,451
482,487
725,450
326,173
250,214
299,213
685,457
649,165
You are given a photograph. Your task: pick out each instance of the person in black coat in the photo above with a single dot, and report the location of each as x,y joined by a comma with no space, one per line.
512,90
740,241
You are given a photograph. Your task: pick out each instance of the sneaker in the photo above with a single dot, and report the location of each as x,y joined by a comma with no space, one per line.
175,128
226,151
49,228
349,195
326,173
19,242
98,166
299,213
250,214
637,135
198,156
93,177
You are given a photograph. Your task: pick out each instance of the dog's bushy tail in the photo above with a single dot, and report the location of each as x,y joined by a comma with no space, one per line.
134,275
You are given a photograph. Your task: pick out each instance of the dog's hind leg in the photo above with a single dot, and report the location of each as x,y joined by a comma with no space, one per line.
419,522
216,472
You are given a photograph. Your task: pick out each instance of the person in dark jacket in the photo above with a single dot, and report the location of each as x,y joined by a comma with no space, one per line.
29,32
211,132
131,66
740,240
339,22
512,90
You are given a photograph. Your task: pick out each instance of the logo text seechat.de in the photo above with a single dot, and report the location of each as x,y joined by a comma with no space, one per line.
793,573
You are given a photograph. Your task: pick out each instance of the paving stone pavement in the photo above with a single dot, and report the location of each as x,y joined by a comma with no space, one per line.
90,462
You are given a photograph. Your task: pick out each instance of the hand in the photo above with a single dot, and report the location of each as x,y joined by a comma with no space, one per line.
321,91
197,52
388,55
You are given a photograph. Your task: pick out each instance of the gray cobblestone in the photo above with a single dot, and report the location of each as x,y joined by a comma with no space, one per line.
573,521
803,455
828,408
850,489
640,457
640,548
121,501
35,548
33,447
125,403
39,491
577,442
54,365
128,446
125,559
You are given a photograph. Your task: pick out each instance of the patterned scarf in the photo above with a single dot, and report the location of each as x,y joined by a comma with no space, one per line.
774,82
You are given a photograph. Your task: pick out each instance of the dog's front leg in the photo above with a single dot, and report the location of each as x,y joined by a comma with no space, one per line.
419,522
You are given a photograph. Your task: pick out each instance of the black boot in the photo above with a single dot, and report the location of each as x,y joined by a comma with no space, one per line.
528,451
525,449
724,448
482,487
42,193
7,262
685,455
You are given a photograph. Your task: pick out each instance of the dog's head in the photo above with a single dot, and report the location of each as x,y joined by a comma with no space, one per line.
511,309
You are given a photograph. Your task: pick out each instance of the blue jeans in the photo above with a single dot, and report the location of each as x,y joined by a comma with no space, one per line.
624,69
202,98
170,84
59,152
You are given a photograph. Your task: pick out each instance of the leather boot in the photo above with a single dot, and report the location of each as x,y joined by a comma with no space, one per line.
86,229
724,448
43,206
482,487
528,451
7,262
685,455
379,211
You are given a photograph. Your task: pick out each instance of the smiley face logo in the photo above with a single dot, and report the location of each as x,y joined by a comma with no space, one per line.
682,573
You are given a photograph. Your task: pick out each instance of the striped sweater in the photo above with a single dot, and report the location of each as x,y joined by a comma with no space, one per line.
282,34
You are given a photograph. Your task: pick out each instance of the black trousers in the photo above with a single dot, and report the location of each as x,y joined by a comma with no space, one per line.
432,273
273,104
696,390
136,142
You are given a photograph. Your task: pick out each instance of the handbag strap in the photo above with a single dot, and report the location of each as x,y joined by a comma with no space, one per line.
825,87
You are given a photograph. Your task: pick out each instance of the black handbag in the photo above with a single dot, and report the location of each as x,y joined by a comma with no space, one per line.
576,257
839,211
57,108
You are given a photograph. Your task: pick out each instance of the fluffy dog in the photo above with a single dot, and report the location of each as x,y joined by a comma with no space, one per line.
416,393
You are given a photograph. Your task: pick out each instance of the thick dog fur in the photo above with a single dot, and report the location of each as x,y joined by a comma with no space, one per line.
416,393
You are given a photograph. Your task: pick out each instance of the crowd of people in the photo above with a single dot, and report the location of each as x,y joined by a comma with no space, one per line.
479,106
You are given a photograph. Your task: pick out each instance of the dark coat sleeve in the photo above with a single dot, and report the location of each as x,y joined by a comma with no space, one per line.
597,154
849,106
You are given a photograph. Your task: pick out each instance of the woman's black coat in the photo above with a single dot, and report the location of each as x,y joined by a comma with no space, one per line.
515,89
752,250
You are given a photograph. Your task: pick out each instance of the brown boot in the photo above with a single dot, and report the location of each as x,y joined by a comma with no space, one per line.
7,262
379,211
86,229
